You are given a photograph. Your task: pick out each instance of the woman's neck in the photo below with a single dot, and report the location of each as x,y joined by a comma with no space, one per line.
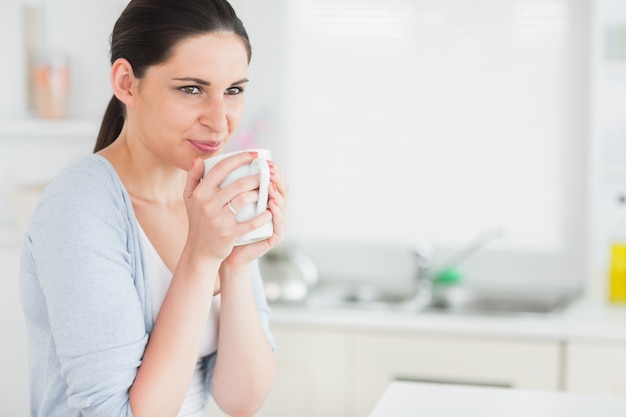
145,177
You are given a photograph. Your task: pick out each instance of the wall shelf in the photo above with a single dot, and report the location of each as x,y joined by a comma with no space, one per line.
33,127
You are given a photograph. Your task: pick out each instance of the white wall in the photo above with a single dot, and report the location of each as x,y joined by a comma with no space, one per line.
607,156
13,98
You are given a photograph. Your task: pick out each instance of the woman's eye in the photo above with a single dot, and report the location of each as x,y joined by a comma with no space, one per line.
233,91
190,89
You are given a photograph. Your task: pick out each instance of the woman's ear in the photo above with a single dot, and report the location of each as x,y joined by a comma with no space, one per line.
123,80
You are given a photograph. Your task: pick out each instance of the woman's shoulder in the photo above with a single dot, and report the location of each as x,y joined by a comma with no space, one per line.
87,169
85,186
88,176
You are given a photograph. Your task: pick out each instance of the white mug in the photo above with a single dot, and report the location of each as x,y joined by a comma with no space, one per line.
259,166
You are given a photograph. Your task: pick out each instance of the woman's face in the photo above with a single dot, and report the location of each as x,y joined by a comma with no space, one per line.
191,104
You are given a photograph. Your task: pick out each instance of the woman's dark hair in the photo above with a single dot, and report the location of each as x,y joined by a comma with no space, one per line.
147,32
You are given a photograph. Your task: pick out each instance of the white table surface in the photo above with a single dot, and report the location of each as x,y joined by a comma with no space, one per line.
412,399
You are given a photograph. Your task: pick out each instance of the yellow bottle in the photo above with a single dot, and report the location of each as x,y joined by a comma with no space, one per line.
617,269
617,273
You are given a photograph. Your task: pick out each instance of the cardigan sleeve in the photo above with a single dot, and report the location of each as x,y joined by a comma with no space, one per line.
81,249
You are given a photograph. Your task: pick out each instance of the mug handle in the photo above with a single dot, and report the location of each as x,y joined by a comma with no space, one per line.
264,171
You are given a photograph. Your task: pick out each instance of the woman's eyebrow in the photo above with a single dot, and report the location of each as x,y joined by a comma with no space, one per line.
192,79
204,82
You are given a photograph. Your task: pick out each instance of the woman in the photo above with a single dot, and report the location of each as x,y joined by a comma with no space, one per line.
129,268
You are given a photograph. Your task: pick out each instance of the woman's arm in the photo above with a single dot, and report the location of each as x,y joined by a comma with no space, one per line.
172,351
246,368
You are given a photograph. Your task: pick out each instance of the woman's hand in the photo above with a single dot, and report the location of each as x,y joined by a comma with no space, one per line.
213,228
277,199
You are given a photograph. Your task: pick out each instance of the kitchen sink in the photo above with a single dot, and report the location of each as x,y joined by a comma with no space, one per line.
362,297
463,300
448,300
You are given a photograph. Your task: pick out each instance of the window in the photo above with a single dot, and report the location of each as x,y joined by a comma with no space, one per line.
407,120
435,119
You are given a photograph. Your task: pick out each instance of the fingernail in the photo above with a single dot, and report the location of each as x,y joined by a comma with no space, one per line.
254,154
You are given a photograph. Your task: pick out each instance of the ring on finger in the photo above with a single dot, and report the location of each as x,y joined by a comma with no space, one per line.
231,208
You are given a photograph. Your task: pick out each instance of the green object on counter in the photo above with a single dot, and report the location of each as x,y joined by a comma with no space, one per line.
448,276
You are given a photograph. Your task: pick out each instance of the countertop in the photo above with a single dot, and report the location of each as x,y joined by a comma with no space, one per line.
411,399
584,320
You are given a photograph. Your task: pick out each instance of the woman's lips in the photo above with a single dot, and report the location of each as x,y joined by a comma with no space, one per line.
206,147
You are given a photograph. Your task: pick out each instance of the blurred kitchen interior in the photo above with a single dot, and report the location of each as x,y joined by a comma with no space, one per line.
399,123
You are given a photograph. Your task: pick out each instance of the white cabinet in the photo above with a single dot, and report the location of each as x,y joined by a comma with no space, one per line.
341,373
596,368
313,378
381,358
340,365
14,398
313,375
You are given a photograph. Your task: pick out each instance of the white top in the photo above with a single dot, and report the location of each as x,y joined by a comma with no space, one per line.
160,277
411,399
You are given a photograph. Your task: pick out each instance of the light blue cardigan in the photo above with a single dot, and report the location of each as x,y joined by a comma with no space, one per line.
84,292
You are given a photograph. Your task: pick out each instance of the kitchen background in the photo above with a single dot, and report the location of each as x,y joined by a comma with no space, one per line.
399,123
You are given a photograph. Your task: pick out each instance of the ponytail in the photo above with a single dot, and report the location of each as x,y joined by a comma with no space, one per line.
112,124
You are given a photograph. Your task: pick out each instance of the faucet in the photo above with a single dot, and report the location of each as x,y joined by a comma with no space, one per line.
423,252
426,276
465,252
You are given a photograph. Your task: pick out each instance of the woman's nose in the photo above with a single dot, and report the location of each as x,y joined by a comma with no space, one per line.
214,115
